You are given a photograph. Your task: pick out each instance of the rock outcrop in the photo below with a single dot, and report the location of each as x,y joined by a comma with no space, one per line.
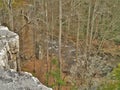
9,78
9,47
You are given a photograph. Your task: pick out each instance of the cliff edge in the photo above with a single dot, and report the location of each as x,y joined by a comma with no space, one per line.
10,79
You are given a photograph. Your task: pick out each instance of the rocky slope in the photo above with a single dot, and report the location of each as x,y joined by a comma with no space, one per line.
9,78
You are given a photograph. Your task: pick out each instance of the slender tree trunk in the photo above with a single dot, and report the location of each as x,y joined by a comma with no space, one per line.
92,27
11,19
77,38
10,12
60,34
87,36
52,24
68,27
47,25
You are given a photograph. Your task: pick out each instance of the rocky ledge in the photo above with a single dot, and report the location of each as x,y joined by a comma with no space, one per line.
10,79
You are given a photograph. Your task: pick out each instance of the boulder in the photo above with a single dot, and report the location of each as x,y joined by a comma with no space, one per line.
11,80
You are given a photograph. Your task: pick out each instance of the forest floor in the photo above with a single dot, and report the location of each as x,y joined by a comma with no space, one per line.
39,69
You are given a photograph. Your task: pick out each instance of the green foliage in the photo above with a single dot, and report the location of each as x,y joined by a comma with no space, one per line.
116,73
108,86
55,74
33,74
114,35
74,87
117,40
57,77
114,82
1,3
54,61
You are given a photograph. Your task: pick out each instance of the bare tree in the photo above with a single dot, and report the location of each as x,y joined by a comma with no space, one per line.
60,35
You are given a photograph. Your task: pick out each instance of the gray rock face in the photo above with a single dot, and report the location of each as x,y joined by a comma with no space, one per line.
11,80
3,55
9,47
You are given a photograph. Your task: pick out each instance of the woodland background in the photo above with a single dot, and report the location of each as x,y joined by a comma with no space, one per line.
67,44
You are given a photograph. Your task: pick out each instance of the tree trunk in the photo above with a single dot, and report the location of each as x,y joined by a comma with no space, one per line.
60,34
